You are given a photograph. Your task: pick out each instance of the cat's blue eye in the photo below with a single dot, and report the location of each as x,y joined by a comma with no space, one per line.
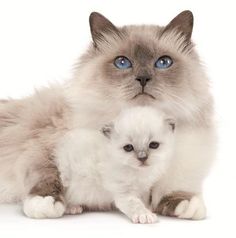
163,62
122,62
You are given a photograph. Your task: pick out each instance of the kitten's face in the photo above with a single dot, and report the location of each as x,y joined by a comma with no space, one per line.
141,137
158,65
140,152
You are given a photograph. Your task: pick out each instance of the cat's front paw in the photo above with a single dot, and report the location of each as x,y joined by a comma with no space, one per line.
191,209
182,205
43,207
144,218
74,209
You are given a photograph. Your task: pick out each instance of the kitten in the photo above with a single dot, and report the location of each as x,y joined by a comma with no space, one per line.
118,168
125,66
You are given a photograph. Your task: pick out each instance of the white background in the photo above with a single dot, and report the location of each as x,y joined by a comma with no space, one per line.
40,41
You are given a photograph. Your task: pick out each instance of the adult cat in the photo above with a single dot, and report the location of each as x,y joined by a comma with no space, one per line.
131,65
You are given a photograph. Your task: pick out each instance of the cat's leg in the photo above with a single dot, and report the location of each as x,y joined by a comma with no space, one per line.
184,205
74,210
178,193
134,208
46,197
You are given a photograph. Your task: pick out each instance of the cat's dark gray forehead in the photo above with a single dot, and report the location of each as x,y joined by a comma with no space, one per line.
142,36
142,51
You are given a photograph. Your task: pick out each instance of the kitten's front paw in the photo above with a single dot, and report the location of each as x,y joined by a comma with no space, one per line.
145,217
43,207
74,209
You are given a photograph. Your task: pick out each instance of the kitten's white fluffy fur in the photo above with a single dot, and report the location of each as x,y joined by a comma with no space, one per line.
98,173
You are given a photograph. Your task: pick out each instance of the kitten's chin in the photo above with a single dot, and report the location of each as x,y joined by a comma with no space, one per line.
143,165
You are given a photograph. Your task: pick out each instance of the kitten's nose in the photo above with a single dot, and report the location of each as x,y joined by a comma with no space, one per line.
142,156
143,80
142,159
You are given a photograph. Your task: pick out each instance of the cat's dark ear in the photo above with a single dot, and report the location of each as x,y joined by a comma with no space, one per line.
182,23
107,130
170,124
100,25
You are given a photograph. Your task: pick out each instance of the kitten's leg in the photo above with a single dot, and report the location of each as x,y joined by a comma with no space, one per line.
74,209
134,208
46,198
178,192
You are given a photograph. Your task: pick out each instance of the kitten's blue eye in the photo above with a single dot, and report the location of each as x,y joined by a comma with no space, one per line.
163,62
121,62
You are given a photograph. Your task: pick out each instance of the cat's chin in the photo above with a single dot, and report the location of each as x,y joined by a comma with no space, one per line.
144,95
143,99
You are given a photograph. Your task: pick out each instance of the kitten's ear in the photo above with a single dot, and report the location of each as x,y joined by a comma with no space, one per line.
183,23
107,130
100,25
171,124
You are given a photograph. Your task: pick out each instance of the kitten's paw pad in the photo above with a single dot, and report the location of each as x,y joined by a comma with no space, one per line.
43,207
73,210
144,218
191,209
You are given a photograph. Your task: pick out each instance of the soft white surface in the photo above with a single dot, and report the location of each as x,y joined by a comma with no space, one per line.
13,224
39,42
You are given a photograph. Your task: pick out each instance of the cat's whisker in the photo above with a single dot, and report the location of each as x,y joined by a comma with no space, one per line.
179,102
